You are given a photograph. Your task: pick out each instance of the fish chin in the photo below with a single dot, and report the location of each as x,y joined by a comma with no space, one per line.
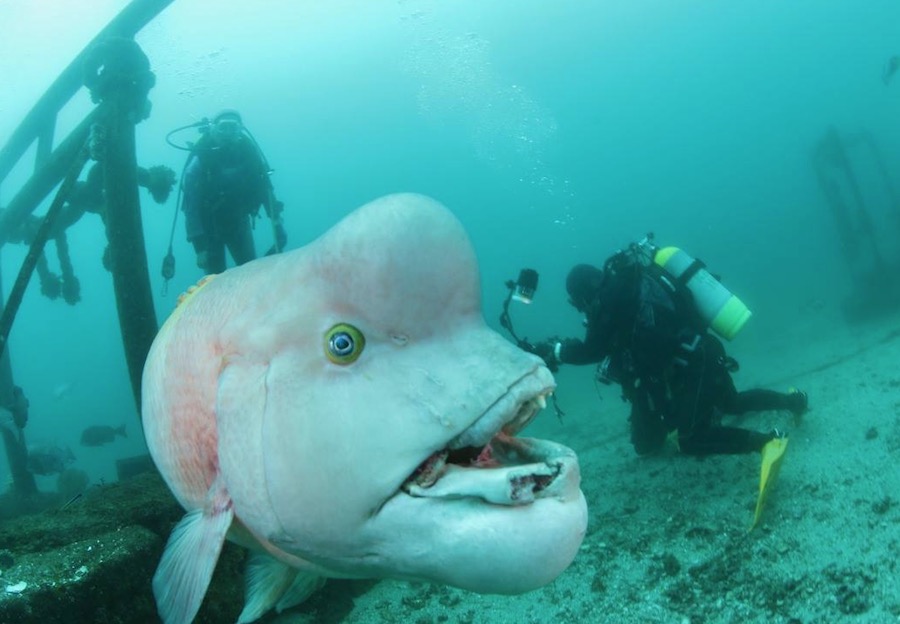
500,514
502,530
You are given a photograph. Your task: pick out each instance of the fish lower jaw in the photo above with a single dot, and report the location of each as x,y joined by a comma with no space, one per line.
508,471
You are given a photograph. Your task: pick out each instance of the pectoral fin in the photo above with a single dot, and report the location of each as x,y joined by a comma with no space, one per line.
187,564
271,583
303,586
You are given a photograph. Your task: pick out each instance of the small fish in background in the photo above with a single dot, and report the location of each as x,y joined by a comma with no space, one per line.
813,305
890,68
98,435
49,459
62,390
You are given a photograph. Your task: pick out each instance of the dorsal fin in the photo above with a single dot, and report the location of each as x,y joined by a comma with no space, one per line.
193,289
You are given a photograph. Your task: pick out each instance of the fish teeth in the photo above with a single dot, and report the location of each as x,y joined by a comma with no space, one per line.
436,466
513,421
430,471
510,413
524,415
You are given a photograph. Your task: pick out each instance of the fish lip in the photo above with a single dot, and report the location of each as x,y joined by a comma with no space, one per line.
529,470
506,470
511,412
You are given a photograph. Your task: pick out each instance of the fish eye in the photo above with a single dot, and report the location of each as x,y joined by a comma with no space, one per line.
344,343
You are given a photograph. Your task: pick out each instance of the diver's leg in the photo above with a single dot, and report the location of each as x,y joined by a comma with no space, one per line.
721,440
758,399
215,256
648,430
240,242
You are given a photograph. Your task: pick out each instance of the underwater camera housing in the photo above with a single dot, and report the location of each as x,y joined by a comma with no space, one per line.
523,289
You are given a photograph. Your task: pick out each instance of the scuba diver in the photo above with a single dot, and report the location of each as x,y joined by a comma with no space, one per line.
224,182
648,312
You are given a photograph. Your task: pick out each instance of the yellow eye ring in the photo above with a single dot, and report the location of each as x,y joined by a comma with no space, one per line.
344,344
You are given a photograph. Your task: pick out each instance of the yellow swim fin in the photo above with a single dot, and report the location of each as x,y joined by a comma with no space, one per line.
772,454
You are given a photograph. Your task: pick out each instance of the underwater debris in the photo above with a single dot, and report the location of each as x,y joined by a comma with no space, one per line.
96,558
18,588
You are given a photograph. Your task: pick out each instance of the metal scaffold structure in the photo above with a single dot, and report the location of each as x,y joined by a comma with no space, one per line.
117,74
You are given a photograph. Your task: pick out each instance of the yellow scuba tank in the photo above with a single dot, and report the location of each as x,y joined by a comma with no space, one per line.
717,306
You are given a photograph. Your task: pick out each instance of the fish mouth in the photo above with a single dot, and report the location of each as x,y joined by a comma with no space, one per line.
487,461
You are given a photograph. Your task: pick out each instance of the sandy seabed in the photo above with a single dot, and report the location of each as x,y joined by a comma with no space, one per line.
668,537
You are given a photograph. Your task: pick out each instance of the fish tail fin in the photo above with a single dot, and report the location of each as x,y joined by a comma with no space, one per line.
190,557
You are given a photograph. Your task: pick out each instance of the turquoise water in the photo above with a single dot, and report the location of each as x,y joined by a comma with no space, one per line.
556,131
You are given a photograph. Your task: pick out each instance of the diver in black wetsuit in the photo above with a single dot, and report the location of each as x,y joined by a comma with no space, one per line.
646,334
226,181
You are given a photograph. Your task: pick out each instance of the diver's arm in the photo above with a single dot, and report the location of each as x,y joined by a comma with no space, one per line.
588,351
192,201
574,351
262,191
159,180
603,323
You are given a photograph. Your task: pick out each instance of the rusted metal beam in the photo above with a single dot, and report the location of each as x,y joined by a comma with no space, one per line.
127,23
13,437
127,251
45,180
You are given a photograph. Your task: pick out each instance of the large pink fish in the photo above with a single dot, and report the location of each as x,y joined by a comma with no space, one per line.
342,410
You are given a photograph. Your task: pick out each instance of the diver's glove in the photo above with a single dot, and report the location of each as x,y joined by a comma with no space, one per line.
546,350
159,180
